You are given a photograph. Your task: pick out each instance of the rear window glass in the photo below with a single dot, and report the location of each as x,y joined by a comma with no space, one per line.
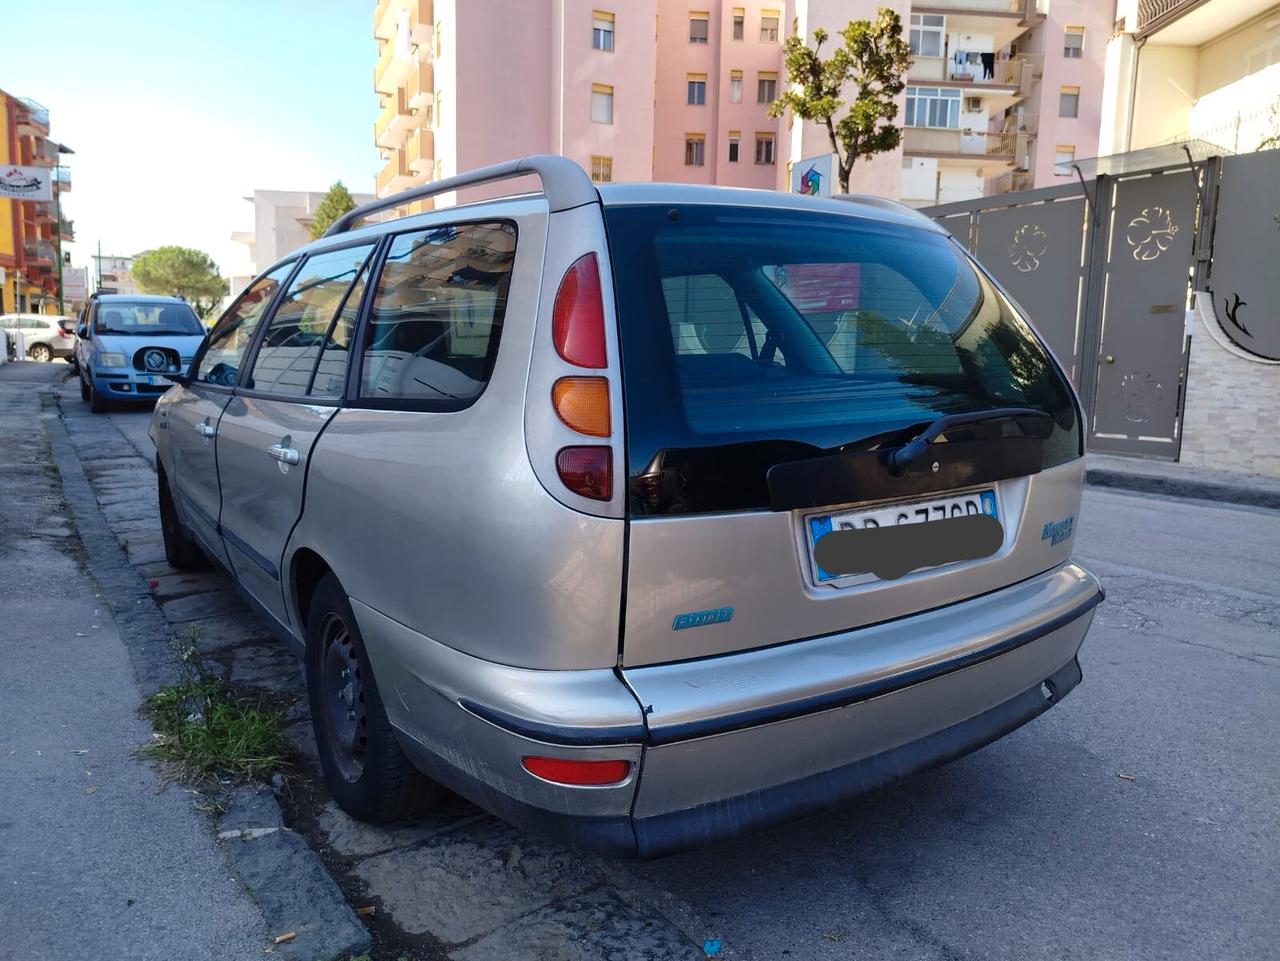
433,331
751,337
151,320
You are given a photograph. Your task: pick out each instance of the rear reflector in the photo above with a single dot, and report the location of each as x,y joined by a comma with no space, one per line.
564,771
583,404
577,319
587,471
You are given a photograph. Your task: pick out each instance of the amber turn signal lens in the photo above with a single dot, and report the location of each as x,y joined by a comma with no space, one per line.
583,404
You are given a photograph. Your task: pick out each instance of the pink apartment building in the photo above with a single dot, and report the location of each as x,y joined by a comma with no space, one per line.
679,90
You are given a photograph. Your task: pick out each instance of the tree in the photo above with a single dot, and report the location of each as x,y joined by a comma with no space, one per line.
874,60
180,272
335,203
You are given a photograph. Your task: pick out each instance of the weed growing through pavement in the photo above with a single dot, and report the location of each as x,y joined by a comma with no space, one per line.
204,731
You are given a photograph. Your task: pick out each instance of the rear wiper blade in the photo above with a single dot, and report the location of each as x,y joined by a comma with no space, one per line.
914,448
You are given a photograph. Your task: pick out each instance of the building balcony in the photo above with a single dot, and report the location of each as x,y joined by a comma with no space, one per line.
981,146
419,151
421,87
1015,180
1008,77
1025,10
39,253
395,66
68,230
1153,14
396,175
62,177
32,119
394,123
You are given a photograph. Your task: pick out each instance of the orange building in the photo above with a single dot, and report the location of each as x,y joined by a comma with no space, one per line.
29,230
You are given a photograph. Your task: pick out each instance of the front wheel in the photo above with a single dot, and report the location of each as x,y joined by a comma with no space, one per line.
97,403
364,766
41,353
84,390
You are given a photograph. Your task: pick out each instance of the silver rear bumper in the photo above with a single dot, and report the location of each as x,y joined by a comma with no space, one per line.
735,743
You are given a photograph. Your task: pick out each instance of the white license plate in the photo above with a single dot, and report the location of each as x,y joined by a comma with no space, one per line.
911,512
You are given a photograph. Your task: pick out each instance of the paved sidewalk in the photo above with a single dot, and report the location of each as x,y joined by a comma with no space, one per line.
1181,480
101,860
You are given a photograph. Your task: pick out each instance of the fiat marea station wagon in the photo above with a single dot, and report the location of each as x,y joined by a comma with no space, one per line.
643,515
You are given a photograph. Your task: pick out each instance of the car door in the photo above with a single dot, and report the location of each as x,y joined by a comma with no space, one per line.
268,429
191,413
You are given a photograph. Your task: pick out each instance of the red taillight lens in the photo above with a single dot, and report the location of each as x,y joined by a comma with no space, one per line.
587,471
577,320
564,771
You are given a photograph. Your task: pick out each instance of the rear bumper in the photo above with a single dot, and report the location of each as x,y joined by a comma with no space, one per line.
736,743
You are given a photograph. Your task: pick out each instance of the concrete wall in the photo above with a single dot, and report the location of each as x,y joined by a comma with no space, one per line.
1232,409
1166,92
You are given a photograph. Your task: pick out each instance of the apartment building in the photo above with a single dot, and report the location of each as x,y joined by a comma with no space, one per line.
31,232
1179,70
112,274
631,89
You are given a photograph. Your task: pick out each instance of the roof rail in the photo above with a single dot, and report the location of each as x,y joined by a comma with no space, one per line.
884,203
565,184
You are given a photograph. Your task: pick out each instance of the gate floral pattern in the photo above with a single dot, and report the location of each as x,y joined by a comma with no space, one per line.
1029,244
1150,233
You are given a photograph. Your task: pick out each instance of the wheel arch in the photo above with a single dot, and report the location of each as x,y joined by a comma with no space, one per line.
306,569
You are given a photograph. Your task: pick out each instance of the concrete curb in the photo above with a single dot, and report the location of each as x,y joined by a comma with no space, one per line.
1191,487
283,875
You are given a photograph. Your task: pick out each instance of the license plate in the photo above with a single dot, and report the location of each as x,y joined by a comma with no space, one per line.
912,512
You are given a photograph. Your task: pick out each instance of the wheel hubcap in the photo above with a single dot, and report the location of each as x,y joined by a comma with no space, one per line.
343,693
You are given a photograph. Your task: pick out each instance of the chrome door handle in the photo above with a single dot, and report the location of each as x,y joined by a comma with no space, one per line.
285,455
206,430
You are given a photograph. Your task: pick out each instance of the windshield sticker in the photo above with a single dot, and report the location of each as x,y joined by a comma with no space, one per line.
1058,531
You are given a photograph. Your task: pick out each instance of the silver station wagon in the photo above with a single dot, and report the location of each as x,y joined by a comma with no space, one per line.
644,515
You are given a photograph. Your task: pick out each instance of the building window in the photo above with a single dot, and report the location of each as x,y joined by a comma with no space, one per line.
697,90
735,86
926,34
766,87
1069,102
933,107
735,138
698,27
1063,158
764,148
694,149
769,26
739,22
601,103
1073,43
602,31
602,169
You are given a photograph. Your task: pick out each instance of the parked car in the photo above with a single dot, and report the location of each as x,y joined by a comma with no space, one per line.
46,336
611,502
129,343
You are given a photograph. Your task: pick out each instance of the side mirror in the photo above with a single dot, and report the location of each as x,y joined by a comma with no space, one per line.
82,331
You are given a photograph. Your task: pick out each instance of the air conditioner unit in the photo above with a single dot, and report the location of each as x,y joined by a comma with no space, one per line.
972,104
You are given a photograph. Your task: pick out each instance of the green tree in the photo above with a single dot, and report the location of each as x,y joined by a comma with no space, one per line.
180,272
872,62
335,203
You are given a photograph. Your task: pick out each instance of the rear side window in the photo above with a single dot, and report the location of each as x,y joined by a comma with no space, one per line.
234,332
433,332
752,337
295,339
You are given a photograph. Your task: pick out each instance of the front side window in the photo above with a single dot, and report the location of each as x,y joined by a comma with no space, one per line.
698,27
601,103
693,150
292,346
433,332
234,332
697,89
751,337
602,31
766,87
933,107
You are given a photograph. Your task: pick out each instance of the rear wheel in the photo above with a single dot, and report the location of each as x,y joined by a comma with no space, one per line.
364,766
180,547
41,353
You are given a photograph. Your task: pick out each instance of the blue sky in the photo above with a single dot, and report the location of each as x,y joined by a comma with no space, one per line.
177,110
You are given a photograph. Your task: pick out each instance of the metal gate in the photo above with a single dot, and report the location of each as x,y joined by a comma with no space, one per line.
1104,269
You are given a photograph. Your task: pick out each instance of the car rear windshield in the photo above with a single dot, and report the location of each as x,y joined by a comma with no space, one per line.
151,320
751,337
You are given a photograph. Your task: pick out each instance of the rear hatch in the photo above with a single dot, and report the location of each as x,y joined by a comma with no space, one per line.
784,375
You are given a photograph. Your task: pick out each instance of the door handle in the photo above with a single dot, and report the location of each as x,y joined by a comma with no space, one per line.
285,455
206,429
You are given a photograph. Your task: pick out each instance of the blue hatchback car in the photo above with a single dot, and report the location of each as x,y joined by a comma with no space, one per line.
129,343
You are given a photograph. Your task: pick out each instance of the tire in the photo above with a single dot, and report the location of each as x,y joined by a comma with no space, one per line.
40,353
84,390
364,765
180,547
96,402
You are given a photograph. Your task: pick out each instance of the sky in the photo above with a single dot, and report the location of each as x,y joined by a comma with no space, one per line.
177,111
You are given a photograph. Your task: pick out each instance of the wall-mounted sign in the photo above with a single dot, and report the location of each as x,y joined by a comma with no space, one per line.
26,183
812,177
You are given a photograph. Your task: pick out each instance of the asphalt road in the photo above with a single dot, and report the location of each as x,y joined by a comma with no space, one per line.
1137,820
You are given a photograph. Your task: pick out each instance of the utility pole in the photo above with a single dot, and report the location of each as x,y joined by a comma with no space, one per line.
57,197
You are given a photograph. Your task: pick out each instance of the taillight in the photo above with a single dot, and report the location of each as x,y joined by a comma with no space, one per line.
577,319
583,404
587,471
564,771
